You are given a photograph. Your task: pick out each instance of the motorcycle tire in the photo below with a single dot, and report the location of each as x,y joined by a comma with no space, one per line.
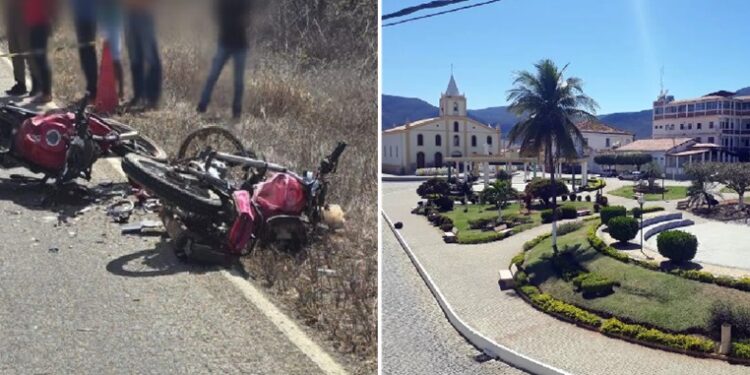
161,179
221,134
140,145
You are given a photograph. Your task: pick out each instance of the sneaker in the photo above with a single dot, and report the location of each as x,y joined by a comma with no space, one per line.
17,90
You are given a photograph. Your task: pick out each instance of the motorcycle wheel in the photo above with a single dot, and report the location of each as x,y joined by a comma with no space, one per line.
140,145
216,137
180,189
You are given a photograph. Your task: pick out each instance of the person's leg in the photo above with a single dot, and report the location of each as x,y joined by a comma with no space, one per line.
86,33
240,59
153,82
39,39
113,36
135,53
15,30
220,59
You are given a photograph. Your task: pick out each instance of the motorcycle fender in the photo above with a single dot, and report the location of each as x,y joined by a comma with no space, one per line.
244,225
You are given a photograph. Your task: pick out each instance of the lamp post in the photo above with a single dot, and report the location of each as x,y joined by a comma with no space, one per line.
663,188
640,203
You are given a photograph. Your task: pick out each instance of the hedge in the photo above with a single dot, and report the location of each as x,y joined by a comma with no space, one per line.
678,341
677,245
488,238
518,259
591,284
623,228
741,350
564,212
610,212
551,305
636,212
532,243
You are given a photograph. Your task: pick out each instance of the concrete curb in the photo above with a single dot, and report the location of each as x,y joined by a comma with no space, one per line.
485,344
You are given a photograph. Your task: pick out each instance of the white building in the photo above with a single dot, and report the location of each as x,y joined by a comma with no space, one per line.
426,143
719,118
601,138
674,154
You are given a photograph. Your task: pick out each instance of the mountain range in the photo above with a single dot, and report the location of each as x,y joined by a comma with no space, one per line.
399,110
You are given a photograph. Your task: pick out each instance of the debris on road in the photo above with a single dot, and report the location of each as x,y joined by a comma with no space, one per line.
120,211
398,225
144,227
54,250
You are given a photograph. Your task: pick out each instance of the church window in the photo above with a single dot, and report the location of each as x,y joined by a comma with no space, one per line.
455,126
420,140
438,140
489,140
473,141
456,141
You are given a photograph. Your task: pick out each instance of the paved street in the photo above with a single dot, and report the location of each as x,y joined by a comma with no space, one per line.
77,297
417,337
467,276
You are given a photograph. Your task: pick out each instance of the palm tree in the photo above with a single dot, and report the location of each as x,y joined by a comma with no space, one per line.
549,106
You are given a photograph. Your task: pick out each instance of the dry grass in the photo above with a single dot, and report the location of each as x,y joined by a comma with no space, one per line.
311,82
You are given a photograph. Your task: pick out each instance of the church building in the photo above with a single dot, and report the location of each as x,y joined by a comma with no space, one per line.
426,143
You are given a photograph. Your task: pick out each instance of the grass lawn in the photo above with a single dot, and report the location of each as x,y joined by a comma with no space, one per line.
479,211
673,192
648,297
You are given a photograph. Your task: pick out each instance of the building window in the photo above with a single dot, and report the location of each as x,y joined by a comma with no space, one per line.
438,160
690,126
390,151
420,140
682,126
438,140
700,107
606,142
710,139
698,126
455,126
711,125
473,141
455,108
489,140
420,160
456,141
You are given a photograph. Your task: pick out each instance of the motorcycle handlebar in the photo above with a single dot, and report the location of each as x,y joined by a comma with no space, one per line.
329,164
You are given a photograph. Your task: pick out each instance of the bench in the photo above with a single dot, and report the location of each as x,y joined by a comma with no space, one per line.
450,237
506,280
583,212
683,205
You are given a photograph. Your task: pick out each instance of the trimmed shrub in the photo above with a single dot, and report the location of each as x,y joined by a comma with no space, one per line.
542,189
623,228
608,213
503,175
736,315
564,198
591,284
551,305
588,198
725,281
573,197
546,216
741,350
532,243
677,341
529,290
446,227
677,245
518,259
568,212
477,240
481,223
444,204
742,283
434,187
636,212
522,279
597,208
702,276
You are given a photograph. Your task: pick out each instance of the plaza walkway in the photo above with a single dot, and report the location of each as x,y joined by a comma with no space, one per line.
467,276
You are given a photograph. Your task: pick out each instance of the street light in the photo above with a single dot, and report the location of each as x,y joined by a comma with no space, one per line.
663,188
640,203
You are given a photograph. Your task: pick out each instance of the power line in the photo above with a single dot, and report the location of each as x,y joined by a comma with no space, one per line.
440,13
417,8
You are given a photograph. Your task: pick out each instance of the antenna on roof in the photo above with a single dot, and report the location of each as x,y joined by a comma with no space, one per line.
662,93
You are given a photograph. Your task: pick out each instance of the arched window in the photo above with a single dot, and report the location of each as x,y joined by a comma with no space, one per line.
438,160
420,140
420,159
455,107
438,140
489,140
455,126
473,141
456,141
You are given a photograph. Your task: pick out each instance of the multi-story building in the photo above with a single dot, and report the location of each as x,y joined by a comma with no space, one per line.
600,138
719,118
426,143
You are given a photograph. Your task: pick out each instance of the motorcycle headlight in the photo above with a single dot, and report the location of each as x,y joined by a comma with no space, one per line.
53,138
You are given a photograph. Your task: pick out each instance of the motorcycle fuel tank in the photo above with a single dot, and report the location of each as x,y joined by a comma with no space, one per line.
43,140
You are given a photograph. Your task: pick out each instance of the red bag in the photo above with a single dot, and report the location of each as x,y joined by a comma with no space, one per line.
282,194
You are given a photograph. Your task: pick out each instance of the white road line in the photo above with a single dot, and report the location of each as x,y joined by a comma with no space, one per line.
290,330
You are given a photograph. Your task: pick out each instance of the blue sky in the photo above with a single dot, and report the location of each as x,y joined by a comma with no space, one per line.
617,47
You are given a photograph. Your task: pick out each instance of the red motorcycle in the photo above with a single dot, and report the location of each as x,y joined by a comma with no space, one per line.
63,145
219,205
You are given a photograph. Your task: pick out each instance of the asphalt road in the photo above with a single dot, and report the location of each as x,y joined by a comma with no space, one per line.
77,297
417,337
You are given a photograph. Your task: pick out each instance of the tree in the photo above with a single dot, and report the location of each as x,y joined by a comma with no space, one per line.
544,189
652,171
549,105
499,193
433,189
736,176
623,228
703,181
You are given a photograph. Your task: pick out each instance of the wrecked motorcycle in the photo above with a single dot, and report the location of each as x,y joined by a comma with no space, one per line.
222,204
64,144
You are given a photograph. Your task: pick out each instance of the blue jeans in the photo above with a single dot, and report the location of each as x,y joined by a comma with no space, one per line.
143,50
223,54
